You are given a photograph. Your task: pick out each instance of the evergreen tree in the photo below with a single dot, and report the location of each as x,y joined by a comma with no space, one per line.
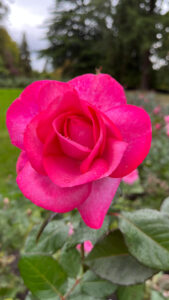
75,35
9,55
121,36
25,57
138,26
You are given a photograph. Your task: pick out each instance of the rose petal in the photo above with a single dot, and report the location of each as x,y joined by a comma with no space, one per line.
94,209
65,171
31,93
80,130
21,112
69,147
98,148
22,160
135,127
132,177
54,90
101,90
44,193
33,146
67,103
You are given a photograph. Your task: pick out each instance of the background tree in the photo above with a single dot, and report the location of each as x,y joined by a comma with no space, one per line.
123,36
9,54
138,26
25,57
75,35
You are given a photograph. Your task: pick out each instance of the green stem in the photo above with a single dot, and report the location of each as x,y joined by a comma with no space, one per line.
71,290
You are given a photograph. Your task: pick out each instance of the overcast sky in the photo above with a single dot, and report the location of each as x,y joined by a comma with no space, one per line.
29,16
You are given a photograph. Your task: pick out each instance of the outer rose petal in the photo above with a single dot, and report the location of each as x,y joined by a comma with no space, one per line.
35,98
44,193
94,209
132,177
33,146
135,127
21,112
51,91
22,160
101,90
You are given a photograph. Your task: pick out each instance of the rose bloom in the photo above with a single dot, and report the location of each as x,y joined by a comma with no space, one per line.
77,140
88,246
166,119
167,129
156,110
132,177
71,229
157,126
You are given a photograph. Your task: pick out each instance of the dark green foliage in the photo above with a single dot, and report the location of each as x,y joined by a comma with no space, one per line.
75,35
135,292
111,260
147,237
25,57
43,275
121,37
9,55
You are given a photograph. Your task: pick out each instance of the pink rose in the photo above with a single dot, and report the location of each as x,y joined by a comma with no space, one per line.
166,119
141,96
157,126
132,177
167,129
156,110
71,229
88,246
78,139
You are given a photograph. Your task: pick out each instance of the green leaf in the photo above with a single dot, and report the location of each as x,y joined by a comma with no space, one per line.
83,297
110,260
53,238
30,297
157,296
165,206
84,233
146,234
135,292
71,262
96,286
43,276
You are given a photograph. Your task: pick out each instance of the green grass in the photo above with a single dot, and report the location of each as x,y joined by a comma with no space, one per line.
8,153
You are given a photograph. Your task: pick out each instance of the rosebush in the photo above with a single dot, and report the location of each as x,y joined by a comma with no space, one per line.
78,139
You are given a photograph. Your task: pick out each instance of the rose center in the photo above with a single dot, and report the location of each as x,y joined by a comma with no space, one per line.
80,130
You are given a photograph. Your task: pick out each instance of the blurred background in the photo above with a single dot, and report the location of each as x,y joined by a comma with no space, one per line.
128,39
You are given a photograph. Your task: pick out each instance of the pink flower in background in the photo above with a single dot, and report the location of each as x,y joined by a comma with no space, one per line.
167,129
141,96
132,177
77,140
157,126
166,119
156,110
146,100
71,229
88,246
